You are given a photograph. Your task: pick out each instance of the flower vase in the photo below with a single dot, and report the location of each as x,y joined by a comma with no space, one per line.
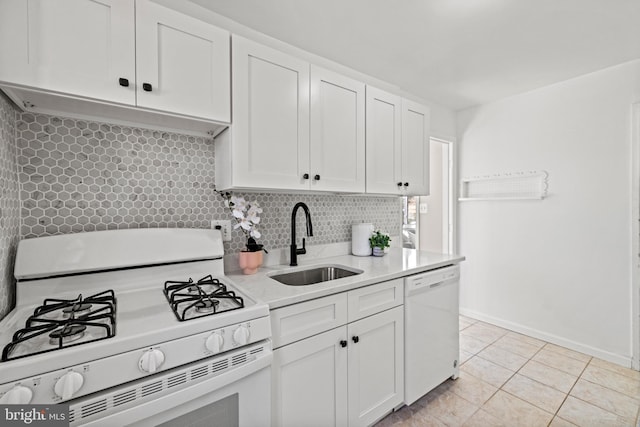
378,251
250,261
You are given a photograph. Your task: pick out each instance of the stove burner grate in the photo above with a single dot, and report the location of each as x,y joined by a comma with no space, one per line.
96,311
190,300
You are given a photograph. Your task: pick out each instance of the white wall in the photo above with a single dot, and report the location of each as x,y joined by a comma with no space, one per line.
560,268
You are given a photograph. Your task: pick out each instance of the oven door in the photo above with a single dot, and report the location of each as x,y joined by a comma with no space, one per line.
238,397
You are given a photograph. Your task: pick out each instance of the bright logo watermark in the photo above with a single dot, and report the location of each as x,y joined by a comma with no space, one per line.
34,415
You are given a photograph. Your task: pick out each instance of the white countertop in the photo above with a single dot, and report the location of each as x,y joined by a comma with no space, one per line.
398,262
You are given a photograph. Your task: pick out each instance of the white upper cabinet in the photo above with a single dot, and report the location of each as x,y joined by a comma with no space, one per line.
270,134
135,54
295,126
337,160
397,145
183,64
384,151
81,47
415,148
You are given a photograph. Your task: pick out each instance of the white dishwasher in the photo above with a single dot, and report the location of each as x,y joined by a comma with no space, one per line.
431,332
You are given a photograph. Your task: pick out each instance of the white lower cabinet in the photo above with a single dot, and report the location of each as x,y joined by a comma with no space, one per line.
350,375
310,381
376,366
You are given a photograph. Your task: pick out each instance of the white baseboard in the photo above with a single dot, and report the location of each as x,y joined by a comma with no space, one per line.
625,361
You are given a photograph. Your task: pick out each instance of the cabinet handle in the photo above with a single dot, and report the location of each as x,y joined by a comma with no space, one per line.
399,184
343,343
316,177
147,87
406,184
305,176
123,82
355,339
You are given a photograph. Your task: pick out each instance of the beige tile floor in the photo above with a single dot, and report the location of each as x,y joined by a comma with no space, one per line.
508,379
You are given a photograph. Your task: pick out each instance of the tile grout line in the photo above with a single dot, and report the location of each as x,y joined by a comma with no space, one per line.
518,372
553,415
603,386
566,396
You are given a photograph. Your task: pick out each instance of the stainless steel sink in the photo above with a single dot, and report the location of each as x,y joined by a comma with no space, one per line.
315,274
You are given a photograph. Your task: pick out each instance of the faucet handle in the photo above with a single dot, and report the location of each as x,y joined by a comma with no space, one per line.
303,249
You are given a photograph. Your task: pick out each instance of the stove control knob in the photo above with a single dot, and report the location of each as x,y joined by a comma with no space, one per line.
68,384
151,360
214,342
18,395
241,335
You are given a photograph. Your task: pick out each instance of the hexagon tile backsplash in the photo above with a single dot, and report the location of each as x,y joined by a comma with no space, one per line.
82,176
9,203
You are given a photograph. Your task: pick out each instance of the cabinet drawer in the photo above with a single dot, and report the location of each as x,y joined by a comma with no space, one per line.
295,322
372,299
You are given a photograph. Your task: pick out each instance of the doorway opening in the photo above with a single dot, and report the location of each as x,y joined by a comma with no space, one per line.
428,220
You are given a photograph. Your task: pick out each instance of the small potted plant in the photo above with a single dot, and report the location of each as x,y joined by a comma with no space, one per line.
378,242
247,219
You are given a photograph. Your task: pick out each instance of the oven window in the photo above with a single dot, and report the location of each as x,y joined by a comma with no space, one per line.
223,413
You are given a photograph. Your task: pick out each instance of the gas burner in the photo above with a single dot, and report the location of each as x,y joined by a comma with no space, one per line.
67,334
207,306
76,309
67,323
205,297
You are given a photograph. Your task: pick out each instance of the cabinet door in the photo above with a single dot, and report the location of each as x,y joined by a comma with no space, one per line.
376,366
310,382
337,132
384,161
78,47
415,148
183,64
270,139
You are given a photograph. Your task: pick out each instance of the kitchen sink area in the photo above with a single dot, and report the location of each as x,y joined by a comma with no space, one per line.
314,275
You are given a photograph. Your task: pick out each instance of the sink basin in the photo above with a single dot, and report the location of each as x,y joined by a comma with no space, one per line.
315,274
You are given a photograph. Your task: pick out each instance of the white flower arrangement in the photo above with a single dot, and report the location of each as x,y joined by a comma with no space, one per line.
247,218
246,215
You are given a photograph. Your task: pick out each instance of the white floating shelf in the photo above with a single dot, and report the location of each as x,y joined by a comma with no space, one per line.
529,185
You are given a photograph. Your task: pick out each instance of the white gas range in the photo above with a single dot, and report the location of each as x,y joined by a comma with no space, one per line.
135,327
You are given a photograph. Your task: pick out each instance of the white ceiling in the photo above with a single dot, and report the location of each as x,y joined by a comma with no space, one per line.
458,53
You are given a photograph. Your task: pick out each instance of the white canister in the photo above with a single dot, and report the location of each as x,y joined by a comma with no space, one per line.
360,234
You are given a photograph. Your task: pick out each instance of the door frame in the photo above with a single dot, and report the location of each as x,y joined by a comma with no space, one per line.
635,236
451,232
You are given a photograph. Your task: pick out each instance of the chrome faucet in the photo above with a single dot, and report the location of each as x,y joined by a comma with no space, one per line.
294,250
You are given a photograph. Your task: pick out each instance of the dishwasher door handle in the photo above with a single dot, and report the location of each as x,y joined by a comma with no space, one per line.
416,288
430,280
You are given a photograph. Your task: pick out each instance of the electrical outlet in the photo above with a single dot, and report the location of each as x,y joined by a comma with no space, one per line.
424,208
225,228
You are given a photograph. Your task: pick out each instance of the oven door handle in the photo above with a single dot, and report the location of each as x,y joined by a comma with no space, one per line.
141,415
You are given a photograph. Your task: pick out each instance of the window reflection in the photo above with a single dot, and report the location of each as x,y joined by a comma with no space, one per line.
409,222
